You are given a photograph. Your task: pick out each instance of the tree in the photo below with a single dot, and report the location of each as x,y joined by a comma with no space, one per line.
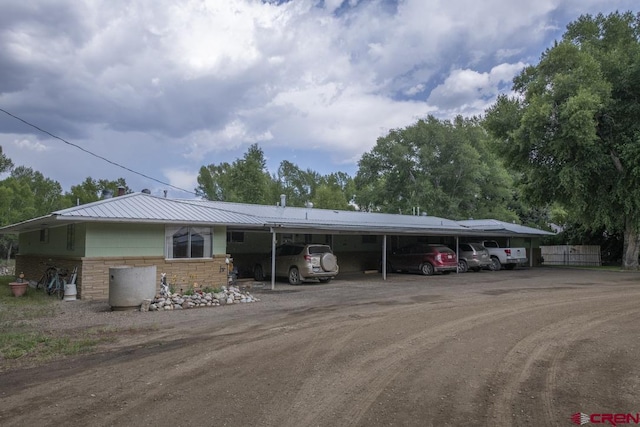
5,163
46,194
91,190
335,191
299,186
573,126
246,180
444,168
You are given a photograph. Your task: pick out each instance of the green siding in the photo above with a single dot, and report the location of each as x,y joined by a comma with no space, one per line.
219,240
105,240
56,243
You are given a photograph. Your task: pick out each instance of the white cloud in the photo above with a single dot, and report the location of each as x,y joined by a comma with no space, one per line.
470,92
179,84
181,178
29,145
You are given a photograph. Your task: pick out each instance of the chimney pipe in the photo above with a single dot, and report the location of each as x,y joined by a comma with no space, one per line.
283,200
107,194
121,191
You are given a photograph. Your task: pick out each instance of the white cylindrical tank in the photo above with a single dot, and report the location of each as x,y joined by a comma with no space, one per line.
129,286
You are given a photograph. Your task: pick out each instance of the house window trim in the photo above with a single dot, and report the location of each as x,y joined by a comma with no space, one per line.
71,237
44,235
205,232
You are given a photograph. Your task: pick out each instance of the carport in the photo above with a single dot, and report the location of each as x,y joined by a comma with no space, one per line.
284,220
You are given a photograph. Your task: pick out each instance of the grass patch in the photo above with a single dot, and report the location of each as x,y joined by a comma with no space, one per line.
41,346
20,340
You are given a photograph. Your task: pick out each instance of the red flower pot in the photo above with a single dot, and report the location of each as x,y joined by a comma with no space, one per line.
18,288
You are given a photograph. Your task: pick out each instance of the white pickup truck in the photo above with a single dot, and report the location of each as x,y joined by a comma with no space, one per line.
504,257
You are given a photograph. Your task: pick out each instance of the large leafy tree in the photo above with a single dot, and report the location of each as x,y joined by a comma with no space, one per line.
46,193
335,191
442,167
298,185
246,180
573,126
91,190
5,163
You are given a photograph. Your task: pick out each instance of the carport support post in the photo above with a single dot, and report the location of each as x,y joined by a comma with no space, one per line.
531,252
458,253
273,259
384,257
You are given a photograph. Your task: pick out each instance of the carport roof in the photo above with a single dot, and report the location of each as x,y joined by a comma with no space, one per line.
501,227
145,208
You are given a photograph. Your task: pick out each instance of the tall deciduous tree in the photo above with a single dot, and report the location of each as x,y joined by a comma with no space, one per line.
5,163
574,126
46,193
298,185
444,168
246,180
91,190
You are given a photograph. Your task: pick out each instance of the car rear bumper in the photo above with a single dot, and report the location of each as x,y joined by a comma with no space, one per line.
441,268
313,273
473,263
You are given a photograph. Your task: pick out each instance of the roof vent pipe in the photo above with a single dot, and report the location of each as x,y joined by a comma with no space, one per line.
283,200
107,194
121,190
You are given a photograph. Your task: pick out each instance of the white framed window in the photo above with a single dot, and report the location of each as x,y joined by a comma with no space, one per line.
188,242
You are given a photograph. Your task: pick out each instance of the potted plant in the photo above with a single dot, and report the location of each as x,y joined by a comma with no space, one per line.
19,287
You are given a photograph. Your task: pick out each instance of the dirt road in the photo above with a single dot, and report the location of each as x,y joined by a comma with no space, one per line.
524,347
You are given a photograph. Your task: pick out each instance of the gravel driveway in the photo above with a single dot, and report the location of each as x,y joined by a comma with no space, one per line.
523,347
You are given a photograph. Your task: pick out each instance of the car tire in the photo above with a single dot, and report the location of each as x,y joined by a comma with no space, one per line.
294,276
427,269
328,262
495,264
463,267
258,273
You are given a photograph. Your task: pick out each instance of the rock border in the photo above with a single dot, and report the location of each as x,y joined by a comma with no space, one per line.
176,301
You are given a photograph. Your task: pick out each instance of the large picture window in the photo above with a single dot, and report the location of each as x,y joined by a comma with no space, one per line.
188,242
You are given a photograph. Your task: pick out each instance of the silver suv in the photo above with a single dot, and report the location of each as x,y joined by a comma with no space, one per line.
299,262
472,256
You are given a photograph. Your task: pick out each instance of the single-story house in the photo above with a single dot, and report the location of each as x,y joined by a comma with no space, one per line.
196,241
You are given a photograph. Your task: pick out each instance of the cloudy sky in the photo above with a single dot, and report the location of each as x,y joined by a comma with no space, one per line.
163,87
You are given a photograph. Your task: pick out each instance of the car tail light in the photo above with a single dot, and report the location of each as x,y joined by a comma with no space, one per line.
439,257
508,252
307,258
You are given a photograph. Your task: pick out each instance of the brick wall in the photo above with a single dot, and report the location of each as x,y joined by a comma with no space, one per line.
93,273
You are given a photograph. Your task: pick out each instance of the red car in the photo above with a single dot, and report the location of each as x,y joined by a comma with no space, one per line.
423,258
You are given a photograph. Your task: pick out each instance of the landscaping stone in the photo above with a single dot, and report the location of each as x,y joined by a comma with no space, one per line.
228,295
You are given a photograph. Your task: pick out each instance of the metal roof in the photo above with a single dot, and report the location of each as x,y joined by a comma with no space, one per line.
306,219
502,227
137,208
145,208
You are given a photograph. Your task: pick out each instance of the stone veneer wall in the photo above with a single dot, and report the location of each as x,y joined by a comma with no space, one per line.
93,273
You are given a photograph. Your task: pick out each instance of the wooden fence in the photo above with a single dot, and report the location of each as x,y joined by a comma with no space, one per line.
571,255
